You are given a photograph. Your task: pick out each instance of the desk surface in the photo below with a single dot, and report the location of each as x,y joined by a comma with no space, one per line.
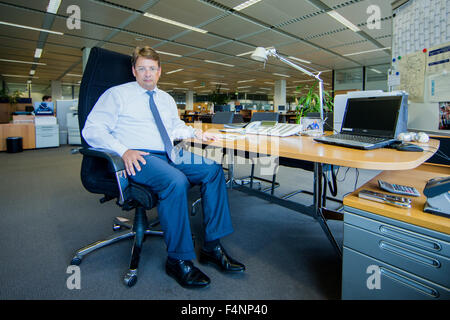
305,148
415,215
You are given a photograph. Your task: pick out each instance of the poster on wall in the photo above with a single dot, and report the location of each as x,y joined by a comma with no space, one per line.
43,108
444,115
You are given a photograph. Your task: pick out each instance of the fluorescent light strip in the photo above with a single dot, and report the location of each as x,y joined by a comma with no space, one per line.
245,4
168,83
189,81
31,28
266,88
18,76
307,80
281,75
73,75
368,51
53,6
244,87
175,23
169,54
225,84
244,54
181,88
242,81
375,70
199,87
173,71
38,53
343,20
27,62
300,60
222,64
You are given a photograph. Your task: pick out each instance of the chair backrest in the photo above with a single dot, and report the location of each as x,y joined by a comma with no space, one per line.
104,69
265,116
223,117
238,118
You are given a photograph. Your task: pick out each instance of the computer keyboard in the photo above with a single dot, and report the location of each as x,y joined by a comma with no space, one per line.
352,137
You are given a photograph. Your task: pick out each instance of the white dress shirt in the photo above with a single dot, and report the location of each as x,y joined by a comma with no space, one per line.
121,120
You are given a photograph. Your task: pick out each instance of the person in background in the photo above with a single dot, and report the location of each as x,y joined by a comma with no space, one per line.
47,98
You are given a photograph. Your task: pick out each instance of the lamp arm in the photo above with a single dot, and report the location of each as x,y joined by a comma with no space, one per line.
273,52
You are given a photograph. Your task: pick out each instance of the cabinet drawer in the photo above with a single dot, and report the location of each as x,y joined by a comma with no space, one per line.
358,281
45,140
46,129
400,254
418,237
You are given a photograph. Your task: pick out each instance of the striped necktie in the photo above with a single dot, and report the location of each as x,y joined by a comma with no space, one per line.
168,146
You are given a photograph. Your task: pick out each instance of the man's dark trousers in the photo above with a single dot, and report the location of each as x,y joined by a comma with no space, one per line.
171,182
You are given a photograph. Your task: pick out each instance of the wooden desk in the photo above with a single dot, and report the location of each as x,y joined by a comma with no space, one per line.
303,148
26,131
415,215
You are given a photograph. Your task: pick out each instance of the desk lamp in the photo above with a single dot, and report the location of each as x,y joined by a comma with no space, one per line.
261,54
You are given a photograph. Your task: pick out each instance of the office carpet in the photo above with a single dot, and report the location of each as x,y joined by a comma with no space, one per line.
46,215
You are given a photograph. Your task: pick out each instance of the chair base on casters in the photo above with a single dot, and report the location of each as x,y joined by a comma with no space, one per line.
136,230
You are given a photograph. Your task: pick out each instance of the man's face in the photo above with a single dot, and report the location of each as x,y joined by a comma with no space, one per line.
147,73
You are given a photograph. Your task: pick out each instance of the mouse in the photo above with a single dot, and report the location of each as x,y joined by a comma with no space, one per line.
408,147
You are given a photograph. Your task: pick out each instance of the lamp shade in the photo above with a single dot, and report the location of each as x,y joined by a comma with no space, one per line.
260,54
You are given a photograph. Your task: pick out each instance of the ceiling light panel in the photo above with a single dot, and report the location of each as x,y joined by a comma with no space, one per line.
274,12
15,25
173,22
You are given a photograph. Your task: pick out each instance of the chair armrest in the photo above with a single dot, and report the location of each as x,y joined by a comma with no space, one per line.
118,165
113,158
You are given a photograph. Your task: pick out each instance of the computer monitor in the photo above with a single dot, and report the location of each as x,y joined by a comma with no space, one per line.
281,109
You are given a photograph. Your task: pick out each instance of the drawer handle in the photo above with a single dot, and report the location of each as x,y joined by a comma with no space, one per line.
410,254
401,235
409,282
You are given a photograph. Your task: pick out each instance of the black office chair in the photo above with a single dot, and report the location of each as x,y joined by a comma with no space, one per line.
103,171
238,118
223,117
265,116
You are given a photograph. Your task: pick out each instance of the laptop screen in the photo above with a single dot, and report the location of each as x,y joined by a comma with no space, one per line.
375,116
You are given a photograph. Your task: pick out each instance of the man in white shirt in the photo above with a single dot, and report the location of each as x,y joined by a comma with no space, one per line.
139,122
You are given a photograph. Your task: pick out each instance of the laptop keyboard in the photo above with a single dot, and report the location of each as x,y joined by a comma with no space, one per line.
353,137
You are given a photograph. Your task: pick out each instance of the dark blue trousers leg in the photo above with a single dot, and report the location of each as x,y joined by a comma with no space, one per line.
171,181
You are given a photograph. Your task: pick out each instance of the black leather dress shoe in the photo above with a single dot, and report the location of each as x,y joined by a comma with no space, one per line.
221,259
186,274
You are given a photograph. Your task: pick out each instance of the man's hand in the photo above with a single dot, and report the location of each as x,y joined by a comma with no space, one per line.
131,158
205,136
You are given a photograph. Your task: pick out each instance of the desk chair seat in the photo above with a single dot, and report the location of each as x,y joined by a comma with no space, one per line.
103,171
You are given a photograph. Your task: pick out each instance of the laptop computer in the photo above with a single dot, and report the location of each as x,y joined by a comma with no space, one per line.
369,123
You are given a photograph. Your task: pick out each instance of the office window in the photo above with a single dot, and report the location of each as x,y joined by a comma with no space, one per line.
376,77
348,79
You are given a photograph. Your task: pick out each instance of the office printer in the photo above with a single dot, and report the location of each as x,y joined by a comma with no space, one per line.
437,192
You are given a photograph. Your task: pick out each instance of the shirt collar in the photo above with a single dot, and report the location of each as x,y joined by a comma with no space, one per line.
142,90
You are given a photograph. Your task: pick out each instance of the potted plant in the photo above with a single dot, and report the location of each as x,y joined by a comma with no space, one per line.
219,99
308,105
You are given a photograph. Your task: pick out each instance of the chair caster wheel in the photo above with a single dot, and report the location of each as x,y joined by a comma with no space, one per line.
76,261
130,278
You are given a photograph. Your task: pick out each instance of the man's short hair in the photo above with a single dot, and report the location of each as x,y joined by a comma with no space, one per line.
145,52
46,98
